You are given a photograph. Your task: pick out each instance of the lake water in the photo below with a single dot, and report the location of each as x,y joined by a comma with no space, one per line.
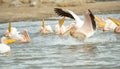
101,51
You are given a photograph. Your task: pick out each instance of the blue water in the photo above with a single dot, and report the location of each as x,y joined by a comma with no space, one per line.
101,51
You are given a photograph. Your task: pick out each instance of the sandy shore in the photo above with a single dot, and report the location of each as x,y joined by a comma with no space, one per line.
46,11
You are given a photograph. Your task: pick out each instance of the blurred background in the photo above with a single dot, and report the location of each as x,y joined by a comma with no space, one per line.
31,10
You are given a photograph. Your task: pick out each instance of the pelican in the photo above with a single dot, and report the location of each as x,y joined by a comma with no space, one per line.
13,35
82,29
106,25
60,28
45,29
4,48
110,25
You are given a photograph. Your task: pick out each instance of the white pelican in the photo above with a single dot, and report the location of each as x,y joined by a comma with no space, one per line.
13,35
106,25
60,28
45,29
4,48
79,28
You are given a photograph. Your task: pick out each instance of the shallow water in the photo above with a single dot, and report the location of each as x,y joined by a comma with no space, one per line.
102,51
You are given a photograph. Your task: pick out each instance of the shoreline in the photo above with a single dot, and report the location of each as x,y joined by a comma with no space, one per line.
25,13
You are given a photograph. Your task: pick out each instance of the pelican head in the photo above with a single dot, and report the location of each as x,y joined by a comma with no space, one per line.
60,28
11,30
26,35
100,22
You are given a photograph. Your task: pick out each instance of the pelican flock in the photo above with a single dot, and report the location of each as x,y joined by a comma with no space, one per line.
79,29
110,24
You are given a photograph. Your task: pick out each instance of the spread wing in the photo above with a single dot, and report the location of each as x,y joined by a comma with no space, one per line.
62,12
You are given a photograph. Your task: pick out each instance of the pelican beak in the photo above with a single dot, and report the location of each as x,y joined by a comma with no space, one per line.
98,19
43,23
27,36
9,27
114,21
9,41
61,22
101,23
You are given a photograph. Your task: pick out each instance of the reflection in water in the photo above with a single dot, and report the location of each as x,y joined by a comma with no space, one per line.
90,50
73,48
7,54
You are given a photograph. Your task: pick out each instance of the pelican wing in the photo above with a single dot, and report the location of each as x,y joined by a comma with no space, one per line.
62,12
92,19
89,24
70,14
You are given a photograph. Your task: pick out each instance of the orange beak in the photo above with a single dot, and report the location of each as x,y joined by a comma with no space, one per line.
9,27
43,23
101,23
61,21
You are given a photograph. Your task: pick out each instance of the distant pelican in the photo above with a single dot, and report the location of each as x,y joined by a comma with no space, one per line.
45,29
60,28
106,25
4,48
13,35
79,29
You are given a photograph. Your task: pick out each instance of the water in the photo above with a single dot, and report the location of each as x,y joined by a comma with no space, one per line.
102,51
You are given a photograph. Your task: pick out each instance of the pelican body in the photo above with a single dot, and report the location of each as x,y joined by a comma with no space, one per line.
4,48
